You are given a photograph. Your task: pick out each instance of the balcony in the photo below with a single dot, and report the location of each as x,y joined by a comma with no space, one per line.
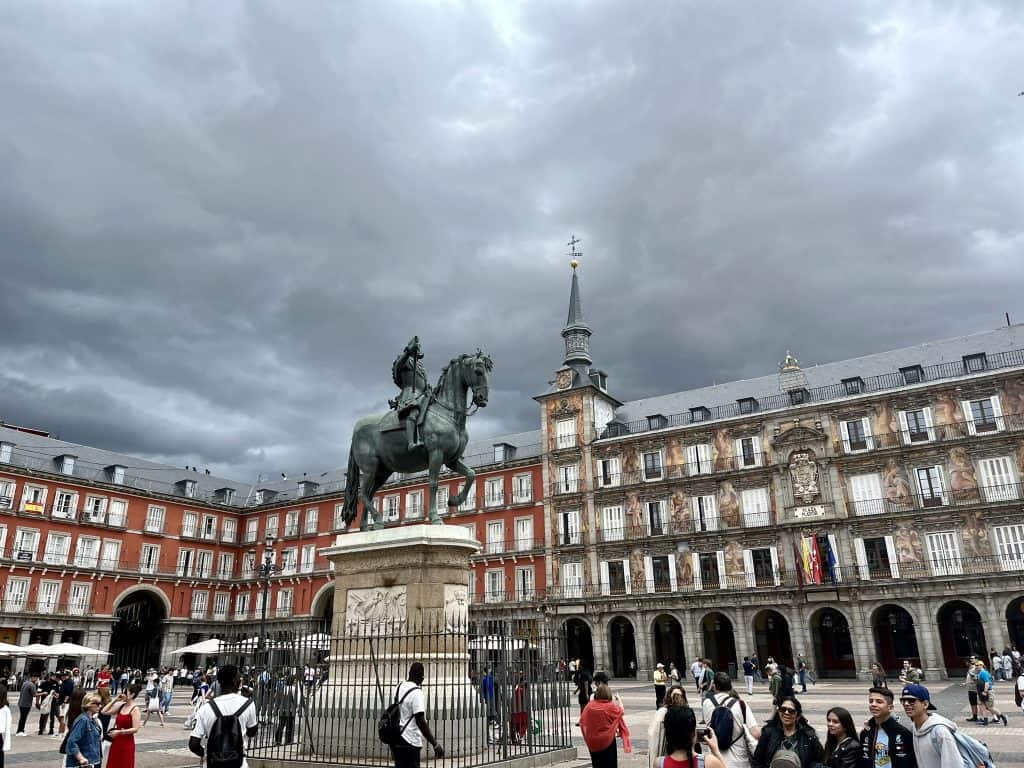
967,497
494,500
63,512
564,487
937,433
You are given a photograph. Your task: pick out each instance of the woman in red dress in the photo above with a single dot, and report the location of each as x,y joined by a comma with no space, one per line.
126,724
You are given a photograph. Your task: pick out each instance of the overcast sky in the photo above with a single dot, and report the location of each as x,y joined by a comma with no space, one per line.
220,222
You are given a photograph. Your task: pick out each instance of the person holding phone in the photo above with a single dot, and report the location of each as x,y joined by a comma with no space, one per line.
127,722
681,738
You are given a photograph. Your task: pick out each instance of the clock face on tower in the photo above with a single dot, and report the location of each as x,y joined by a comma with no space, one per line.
563,379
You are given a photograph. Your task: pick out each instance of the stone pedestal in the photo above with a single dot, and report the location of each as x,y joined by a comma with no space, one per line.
400,597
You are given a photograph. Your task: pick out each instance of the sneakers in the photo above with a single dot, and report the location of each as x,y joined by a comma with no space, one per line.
1003,718
972,719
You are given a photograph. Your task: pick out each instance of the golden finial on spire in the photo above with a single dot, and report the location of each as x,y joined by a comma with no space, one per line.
790,363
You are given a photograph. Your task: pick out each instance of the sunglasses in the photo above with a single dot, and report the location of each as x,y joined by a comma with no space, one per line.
787,710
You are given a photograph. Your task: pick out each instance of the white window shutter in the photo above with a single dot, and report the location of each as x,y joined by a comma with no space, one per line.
969,415
711,508
942,483
837,573
737,453
697,583
904,429
755,442
672,573
649,573
845,433
863,572
890,548
997,412
704,455
748,568
866,423
928,423
627,577
606,583
614,471
722,583
776,575
691,459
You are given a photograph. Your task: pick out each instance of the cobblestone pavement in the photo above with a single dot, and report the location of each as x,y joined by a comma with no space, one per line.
1006,743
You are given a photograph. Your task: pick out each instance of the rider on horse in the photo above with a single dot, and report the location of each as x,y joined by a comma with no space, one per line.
410,376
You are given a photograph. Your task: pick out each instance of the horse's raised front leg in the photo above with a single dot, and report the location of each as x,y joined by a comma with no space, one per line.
435,460
460,498
367,488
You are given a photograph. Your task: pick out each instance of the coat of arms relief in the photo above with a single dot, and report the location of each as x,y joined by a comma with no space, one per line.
803,473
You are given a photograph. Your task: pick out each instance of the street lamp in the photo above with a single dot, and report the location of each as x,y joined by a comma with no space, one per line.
264,571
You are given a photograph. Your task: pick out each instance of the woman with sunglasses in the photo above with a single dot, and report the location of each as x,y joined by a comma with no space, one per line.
83,745
842,748
788,731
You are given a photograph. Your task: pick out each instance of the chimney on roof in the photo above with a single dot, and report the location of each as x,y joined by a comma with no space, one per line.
791,376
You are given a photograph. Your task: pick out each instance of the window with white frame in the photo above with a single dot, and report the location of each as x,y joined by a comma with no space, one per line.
312,520
757,508
983,415
931,484
565,433
613,523
117,514
65,505
242,605
495,581
525,585
876,558
6,449
221,600
225,565
709,570
95,508
291,523
199,600
495,491
48,596
660,573
705,513
210,527
67,465
3,540
856,435
698,459
308,558
442,499
653,467
944,553
26,544
204,564
524,533
117,474
289,561
79,599
614,577
248,565
155,519
87,551
414,505
569,527
149,558
189,525
58,546
285,601
916,425
495,537
16,594
655,518
761,567
228,530
6,493
391,507
866,494
186,559
471,527
998,480
522,489
469,503
251,529
609,472
270,529
33,498
1010,546
568,478
572,580
110,554
748,452
338,522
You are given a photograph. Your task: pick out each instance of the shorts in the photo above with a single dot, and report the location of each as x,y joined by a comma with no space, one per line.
972,697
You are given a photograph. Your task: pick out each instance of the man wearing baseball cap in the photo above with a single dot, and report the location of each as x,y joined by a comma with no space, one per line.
934,745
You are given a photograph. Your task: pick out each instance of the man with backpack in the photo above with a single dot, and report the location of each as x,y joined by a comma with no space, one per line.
937,744
735,726
884,743
412,722
225,722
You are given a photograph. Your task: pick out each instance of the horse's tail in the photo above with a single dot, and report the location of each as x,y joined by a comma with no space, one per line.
351,486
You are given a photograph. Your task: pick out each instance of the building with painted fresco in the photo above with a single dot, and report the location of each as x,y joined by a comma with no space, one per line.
868,509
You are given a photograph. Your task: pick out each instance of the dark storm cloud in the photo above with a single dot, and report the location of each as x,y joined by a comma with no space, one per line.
220,222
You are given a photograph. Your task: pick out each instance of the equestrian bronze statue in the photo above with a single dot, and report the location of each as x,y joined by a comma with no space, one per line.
425,429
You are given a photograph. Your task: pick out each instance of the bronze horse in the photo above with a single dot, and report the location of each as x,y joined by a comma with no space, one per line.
379,445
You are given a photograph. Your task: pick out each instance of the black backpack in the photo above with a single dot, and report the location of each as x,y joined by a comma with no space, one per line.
723,722
389,724
224,745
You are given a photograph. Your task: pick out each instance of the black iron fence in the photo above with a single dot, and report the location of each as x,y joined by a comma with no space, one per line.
491,690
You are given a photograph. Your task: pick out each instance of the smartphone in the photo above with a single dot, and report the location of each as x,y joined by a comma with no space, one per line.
705,733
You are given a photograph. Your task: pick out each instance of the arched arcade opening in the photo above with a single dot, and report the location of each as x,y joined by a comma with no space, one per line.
668,643
138,636
895,638
961,634
623,647
719,641
833,645
1015,622
771,637
579,643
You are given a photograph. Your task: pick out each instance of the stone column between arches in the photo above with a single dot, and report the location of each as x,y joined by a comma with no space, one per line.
862,633
926,624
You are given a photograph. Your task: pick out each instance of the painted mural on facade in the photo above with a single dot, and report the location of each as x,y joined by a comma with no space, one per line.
721,446
884,422
962,480
675,454
1013,398
896,485
734,568
635,528
681,515
728,505
946,410
570,406
975,536
909,546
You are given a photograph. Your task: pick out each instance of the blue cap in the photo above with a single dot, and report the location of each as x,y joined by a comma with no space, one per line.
918,692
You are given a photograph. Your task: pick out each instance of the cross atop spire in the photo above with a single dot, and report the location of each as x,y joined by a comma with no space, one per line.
576,332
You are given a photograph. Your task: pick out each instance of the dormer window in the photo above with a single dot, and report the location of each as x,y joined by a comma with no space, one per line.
225,495
912,374
5,452
798,396
259,496
116,474
854,386
308,488
600,378
66,464
265,495
975,363
657,421
503,452
700,413
187,488
747,405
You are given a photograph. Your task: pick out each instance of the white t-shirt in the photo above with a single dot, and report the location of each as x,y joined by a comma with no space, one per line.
738,755
228,704
407,711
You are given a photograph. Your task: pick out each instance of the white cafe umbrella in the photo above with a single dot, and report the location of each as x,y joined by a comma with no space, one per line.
37,649
211,646
6,649
74,649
